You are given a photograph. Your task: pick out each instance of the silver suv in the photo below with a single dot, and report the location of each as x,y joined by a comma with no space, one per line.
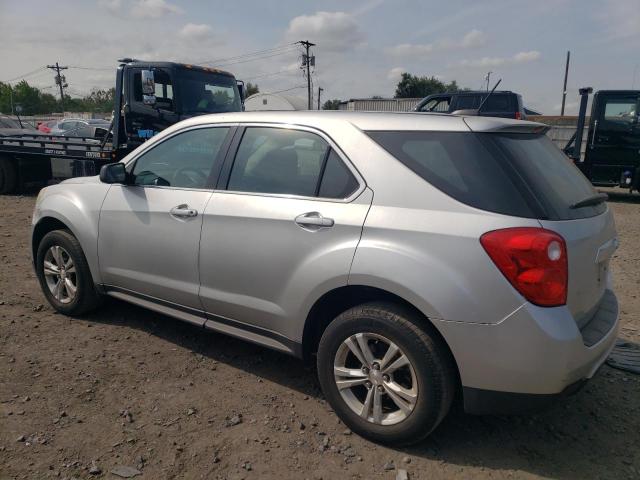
416,256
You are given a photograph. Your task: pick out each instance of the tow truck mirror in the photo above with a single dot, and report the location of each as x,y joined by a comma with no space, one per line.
148,87
113,173
241,89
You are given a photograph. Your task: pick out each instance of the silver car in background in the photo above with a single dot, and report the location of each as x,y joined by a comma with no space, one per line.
416,256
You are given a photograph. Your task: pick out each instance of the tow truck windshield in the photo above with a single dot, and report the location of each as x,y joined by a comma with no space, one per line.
204,92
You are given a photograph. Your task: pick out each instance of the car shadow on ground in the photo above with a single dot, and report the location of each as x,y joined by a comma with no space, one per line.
553,443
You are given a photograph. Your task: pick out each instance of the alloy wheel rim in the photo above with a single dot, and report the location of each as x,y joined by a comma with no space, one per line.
60,274
375,378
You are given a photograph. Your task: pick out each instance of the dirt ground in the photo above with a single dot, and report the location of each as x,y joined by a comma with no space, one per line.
127,387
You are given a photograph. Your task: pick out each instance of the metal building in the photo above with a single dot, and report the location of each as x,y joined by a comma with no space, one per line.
272,101
379,104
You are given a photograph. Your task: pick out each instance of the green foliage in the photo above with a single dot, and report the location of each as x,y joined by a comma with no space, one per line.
34,101
331,104
413,86
31,99
252,89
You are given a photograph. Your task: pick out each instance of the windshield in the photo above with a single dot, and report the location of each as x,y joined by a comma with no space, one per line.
204,92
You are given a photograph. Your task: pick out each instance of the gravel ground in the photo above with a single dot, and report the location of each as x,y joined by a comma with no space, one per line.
125,387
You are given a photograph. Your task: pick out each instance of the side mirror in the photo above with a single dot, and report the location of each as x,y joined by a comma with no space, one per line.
113,173
241,89
148,87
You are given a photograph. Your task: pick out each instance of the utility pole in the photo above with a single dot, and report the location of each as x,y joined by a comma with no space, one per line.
487,77
564,89
307,61
61,81
320,89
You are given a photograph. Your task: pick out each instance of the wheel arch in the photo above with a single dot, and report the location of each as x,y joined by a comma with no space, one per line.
336,301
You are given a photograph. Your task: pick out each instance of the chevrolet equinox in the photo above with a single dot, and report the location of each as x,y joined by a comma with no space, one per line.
415,257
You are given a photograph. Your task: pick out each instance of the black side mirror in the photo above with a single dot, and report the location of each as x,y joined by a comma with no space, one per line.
113,173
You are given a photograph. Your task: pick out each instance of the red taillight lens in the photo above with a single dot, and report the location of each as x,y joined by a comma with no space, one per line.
518,116
534,260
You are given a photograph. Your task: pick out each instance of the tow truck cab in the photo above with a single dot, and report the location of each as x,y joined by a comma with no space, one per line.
151,96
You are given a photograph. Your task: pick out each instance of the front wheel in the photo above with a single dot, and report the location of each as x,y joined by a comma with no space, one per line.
386,373
64,274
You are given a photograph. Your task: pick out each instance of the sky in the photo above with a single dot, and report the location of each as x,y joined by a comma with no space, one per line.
362,46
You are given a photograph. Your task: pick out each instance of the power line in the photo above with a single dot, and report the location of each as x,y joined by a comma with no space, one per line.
91,68
267,74
254,58
24,75
286,89
248,54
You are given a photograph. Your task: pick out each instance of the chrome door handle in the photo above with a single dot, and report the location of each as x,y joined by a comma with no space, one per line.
314,219
183,211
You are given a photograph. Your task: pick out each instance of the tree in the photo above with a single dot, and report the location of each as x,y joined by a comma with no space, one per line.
252,89
331,104
413,86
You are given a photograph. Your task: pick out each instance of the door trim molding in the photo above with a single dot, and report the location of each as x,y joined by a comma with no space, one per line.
227,326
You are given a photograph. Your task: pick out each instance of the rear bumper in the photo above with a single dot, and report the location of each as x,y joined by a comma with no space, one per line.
531,357
490,402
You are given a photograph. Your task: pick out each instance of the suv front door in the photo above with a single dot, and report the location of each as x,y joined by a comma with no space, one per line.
149,231
283,227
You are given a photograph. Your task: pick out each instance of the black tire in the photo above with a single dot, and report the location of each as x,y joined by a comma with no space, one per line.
86,297
8,176
430,359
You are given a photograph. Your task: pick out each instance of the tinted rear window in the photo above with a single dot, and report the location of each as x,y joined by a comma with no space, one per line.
522,175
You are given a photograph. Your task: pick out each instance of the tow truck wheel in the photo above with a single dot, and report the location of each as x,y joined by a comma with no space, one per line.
8,176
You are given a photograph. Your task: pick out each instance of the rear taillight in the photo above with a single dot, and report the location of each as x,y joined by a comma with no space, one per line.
534,260
518,116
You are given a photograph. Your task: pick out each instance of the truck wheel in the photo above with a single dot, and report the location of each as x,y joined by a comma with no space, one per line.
64,274
8,176
386,373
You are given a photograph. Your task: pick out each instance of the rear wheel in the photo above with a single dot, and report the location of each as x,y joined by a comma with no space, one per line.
64,274
8,176
385,373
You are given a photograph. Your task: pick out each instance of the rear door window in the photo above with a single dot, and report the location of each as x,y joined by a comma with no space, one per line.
468,102
523,175
498,103
290,162
278,161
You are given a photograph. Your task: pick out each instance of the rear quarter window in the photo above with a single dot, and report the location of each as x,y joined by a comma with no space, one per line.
522,175
460,165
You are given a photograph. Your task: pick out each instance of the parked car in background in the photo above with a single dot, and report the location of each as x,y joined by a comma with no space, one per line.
11,123
501,103
93,129
45,127
481,268
78,127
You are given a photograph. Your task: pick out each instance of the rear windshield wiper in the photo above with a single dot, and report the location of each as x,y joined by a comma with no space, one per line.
592,200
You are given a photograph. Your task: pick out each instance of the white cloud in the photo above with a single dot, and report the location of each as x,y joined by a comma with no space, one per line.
484,62
473,38
153,9
195,31
333,31
526,57
113,6
395,73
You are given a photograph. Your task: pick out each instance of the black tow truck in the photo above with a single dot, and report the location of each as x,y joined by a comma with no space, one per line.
149,97
611,155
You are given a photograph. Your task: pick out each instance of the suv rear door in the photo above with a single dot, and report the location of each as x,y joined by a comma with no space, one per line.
281,228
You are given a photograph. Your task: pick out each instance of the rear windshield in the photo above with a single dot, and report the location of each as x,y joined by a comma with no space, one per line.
523,175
